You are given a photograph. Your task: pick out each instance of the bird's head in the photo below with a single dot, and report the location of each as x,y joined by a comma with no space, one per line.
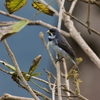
53,33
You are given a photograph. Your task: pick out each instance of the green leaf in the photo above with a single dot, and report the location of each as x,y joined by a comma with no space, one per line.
79,60
18,26
34,64
8,65
14,5
42,8
36,74
10,30
25,76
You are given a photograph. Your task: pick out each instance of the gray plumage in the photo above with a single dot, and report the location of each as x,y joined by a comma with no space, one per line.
60,45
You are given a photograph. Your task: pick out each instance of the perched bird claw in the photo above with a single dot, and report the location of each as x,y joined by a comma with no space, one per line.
59,59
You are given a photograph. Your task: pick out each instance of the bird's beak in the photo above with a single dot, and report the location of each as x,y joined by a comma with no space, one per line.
48,32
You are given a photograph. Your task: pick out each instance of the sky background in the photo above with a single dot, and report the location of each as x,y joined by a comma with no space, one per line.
26,45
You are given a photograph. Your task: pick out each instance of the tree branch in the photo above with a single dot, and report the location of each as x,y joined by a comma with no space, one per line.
77,37
93,30
61,6
72,6
38,22
11,97
10,53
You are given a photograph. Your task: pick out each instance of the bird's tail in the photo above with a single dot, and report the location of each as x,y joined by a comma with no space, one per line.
75,63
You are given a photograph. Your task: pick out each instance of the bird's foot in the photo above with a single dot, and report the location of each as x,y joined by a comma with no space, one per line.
59,59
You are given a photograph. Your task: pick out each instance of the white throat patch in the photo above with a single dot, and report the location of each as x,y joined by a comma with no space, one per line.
52,37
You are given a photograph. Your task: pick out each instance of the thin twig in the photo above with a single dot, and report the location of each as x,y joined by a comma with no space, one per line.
47,48
38,22
41,80
72,6
11,97
7,72
96,2
50,74
77,37
59,3
36,92
74,93
61,10
6,23
66,81
93,30
53,91
42,95
58,80
88,18
52,88
12,57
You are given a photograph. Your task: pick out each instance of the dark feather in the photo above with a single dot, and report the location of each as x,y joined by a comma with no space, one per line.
62,43
66,47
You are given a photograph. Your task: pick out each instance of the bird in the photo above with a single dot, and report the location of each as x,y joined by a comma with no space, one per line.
60,45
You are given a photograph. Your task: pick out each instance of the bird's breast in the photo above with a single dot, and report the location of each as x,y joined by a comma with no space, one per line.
54,46
58,50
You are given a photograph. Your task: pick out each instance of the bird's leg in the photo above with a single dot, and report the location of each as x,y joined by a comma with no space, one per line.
59,59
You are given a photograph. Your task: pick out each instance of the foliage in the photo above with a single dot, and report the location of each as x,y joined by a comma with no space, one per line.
21,77
12,29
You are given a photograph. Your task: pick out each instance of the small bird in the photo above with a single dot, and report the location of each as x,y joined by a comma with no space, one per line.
60,45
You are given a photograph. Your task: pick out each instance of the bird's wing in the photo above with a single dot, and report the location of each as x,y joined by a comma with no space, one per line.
66,47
